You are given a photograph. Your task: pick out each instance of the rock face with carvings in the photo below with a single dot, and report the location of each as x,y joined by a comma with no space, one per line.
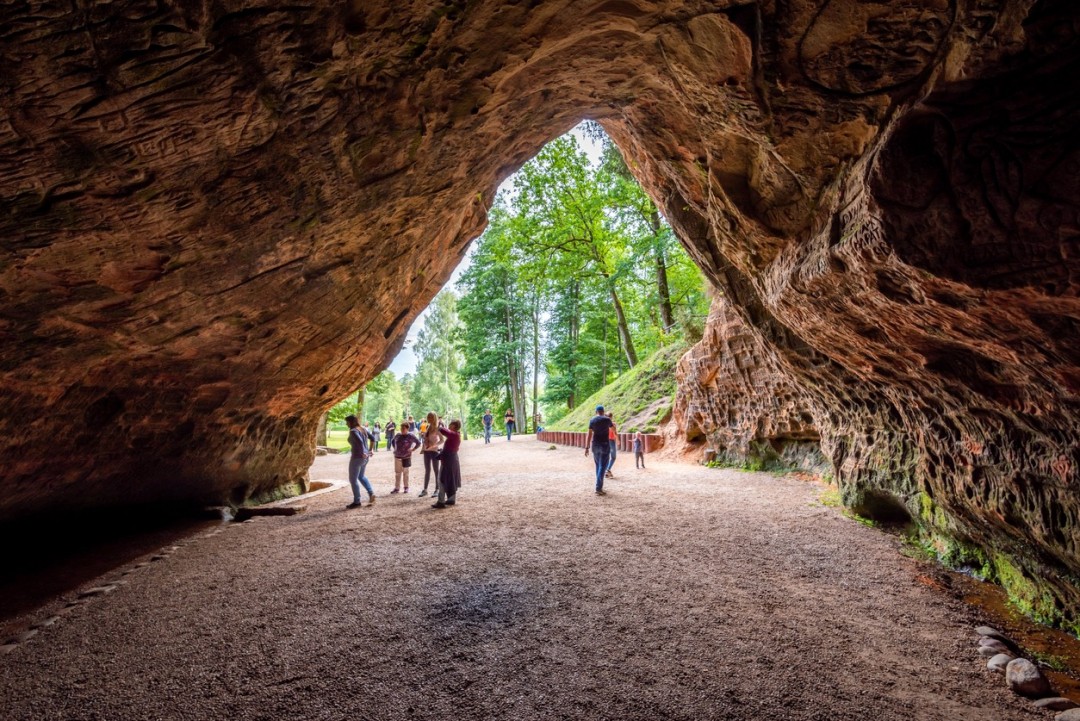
218,218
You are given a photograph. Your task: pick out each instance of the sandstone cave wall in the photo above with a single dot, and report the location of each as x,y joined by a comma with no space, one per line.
734,400
218,218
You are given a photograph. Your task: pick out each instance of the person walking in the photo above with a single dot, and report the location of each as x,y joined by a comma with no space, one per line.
431,442
412,425
390,428
358,460
404,444
376,433
450,471
508,419
598,440
613,442
488,420
639,450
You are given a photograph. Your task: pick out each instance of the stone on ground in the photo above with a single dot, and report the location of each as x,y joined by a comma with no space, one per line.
991,648
998,663
1026,679
1056,703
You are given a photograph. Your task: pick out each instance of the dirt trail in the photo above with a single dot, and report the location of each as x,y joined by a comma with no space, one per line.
686,593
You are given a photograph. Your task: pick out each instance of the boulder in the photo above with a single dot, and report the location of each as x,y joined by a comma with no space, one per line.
1025,679
992,648
998,663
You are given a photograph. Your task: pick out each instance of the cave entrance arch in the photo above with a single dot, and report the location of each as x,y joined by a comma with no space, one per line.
193,196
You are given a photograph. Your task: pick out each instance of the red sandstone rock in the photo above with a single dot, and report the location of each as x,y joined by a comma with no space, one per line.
219,219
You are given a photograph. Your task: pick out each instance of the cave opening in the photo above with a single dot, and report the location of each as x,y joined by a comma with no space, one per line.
202,208
576,280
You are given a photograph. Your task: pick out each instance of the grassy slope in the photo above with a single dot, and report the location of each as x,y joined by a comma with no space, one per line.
639,399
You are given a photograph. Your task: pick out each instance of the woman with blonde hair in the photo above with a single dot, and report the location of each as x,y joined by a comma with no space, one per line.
431,443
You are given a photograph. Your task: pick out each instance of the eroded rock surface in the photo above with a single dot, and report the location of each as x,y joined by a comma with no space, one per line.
218,218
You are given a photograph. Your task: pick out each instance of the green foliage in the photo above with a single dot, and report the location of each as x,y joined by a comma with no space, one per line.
868,522
576,275
384,399
830,497
650,383
437,383
1050,660
344,407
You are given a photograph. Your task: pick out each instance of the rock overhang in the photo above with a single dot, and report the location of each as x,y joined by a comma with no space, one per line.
213,215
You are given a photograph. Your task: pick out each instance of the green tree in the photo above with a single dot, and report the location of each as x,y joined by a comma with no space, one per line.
384,399
437,386
576,276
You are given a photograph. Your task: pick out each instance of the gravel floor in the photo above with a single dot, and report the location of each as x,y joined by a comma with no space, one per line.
686,593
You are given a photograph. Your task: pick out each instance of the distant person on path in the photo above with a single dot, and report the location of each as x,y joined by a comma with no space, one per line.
412,425
431,442
599,441
450,473
508,419
639,450
390,429
404,445
488,420
376,431
358,460
613,442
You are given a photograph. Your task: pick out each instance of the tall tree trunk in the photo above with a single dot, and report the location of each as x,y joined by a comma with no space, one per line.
361,397
511,361
320,430
624,329
662,289
520,415
574,330
603,356
536,356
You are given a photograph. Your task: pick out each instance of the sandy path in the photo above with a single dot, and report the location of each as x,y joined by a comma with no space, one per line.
687,593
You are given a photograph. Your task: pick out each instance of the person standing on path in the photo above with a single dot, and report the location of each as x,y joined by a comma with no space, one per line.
412,425
404,445
450,473
639,450
508,419
358,460
613,442
488,420
376,431
599,441
390,428
431,441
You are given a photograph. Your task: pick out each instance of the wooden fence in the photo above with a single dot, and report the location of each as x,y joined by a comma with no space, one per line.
653,441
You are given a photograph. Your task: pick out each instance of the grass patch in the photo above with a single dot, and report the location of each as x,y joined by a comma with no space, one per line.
338,440
652,381
748,465
830,497
868,522
1050,660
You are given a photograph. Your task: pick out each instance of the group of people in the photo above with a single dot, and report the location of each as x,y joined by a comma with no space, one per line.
603,441
438,445
508,422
